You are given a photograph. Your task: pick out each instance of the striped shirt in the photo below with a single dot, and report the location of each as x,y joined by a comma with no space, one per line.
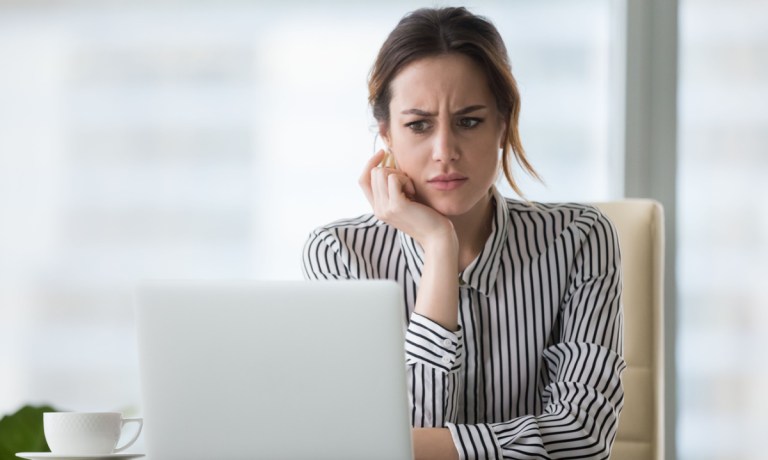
534,370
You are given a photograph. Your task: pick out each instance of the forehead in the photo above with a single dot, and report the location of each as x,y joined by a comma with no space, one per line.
452,80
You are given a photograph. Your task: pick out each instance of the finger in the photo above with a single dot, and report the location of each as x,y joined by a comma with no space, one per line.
388,185
365,184
405,185
410,189
380,189
365,178
375,160
397,185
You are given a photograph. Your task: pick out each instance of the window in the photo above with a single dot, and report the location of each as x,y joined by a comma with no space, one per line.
723,229
155,140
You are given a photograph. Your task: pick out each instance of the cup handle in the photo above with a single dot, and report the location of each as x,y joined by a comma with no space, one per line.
140,421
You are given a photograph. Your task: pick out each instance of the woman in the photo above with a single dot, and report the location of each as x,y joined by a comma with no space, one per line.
514,331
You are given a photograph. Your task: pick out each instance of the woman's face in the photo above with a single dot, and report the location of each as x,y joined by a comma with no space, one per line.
445,132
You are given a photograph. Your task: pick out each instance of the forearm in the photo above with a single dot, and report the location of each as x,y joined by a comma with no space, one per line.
438,295
581,412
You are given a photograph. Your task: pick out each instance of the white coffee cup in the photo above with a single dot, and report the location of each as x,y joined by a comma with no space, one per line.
86,433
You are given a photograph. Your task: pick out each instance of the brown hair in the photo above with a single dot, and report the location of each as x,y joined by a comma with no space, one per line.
434,31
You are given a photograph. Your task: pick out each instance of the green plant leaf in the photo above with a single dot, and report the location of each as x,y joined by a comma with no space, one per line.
23,432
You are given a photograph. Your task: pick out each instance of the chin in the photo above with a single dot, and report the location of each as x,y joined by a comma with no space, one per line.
451,208
455,204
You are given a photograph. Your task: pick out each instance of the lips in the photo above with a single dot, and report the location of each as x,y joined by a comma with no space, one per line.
446,182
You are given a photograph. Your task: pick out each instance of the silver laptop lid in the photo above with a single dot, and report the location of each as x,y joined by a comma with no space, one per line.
273,370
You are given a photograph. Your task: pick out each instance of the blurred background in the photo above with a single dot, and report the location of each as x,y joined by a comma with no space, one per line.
206,139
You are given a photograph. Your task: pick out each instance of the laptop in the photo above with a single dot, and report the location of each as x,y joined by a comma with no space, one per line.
273,370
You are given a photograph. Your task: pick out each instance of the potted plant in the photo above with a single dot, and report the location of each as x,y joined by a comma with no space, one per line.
23,432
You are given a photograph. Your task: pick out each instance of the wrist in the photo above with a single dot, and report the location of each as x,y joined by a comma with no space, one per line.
443,241
437,297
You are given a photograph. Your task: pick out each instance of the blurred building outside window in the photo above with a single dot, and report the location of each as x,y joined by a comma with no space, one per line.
722,230
205,140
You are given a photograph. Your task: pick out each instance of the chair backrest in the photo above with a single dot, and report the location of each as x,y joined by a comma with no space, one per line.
640,225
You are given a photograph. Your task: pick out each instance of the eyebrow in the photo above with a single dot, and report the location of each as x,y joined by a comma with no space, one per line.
424,113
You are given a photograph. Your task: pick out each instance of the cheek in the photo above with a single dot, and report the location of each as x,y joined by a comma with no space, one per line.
410,152
489,162
489,167
409,164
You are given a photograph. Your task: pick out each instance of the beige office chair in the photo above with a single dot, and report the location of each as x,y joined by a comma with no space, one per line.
640,225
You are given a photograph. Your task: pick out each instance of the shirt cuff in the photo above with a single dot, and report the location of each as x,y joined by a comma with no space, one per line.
430,343
475,441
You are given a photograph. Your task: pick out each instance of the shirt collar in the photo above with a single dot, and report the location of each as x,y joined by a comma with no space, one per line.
482,272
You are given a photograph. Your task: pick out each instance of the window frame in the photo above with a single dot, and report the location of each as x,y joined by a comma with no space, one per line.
647,70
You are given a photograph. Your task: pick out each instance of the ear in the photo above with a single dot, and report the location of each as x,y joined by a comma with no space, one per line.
384,133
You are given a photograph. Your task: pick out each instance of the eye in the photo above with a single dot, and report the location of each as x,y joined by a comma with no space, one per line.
418,126
469,122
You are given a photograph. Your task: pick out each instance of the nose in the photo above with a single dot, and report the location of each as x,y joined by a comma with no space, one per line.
445,147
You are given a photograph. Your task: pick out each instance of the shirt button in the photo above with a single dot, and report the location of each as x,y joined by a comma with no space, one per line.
447,342
446,359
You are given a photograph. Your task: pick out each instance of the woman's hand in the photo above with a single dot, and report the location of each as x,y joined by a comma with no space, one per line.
391,194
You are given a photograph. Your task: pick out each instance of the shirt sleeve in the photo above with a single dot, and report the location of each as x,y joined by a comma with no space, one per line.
584,396
322,258
434,357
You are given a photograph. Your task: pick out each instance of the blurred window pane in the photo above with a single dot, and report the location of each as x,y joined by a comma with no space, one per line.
723,230
205,140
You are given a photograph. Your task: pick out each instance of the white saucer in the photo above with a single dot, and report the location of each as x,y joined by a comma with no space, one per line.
51,455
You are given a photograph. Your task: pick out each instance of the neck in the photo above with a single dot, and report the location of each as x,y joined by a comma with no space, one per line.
472,230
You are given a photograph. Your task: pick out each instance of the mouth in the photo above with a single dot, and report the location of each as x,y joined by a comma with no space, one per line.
445,182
